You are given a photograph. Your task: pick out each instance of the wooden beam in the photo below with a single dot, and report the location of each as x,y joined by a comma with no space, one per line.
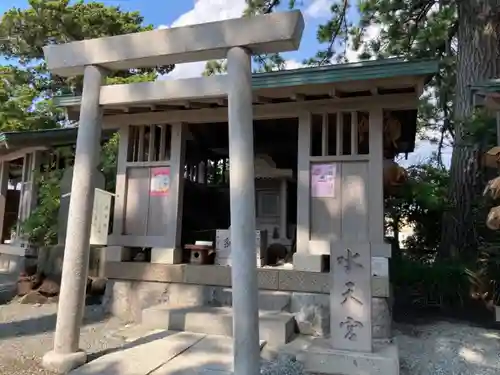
298,97
262,99
267,111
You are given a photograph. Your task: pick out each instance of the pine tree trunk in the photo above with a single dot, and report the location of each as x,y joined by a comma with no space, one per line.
478,60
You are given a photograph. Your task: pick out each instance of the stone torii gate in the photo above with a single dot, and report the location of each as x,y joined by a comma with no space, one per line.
236,40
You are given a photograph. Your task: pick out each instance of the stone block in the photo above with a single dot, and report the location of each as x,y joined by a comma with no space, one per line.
276,328
268,300
300,281
381,287
309,262
351,297
166,255
497,313
188,294
381,319
320,358
127,299
380,266
208,275
268,279
114,253
381,250
312,313
139,271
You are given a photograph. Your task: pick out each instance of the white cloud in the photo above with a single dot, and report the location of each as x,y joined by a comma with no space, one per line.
293,64
202,12
372,32
423,152
318,8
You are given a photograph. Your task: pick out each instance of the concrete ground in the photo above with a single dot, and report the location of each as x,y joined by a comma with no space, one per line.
26,333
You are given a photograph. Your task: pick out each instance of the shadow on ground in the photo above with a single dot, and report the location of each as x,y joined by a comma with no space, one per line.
186,361
44,323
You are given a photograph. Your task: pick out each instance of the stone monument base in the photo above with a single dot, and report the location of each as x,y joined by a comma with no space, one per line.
321,358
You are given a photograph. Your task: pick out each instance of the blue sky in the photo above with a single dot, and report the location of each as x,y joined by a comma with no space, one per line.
181,12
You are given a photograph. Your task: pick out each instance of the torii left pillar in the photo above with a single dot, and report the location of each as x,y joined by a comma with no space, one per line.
66,354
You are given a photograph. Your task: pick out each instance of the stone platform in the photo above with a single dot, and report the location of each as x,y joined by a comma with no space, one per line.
321,358
276,327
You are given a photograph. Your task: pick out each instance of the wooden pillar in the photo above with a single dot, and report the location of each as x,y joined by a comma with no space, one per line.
171,252
283,208
376,173
118,253
121,181
303,183
176,193
4,182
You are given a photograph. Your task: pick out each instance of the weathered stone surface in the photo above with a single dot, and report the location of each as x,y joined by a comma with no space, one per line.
23,287
381,319
127,299
49,288
97,286
27,283
320,358
312,313
188,295
350,297
32,298
269,300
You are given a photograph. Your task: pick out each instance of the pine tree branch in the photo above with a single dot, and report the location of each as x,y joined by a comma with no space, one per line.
335,33
271,6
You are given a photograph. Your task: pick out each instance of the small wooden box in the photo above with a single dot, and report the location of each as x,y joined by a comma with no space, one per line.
200,254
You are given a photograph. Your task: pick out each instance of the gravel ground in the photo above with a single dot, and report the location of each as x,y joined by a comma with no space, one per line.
26,333
445,348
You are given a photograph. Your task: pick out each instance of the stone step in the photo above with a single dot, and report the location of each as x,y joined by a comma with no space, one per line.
276,327
269,300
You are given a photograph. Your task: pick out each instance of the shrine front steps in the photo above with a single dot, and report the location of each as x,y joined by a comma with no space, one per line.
275,327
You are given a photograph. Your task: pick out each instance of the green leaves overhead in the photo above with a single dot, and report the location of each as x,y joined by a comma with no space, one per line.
26,89
24,32
21,105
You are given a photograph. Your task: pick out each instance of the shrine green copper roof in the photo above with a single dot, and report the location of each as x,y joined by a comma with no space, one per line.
10,141
365,70
491,86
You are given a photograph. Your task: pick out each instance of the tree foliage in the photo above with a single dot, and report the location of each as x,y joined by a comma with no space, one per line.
27,88
24,33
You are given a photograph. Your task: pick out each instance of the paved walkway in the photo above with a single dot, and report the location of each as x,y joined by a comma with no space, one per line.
167,353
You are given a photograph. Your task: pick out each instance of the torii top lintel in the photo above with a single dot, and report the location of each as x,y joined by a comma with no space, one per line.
270,33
